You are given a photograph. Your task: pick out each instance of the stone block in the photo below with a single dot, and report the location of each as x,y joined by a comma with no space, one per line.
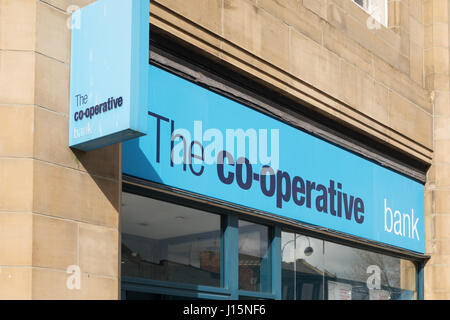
17,24
416,9
76,195
410,120
442,202
358,31
319,7
441,103
442,151
17,131
15,239
52,32
314,64
416,32
442,128
427,12
437,82
204,40
436,35
436,60
440,11
52,145
205,13
52,285
442,222
54,243
296,16
52,84
256,31
439,278
363,94
17,77
348,49
442,179
16,283
401,83
17,184
416,65
99,250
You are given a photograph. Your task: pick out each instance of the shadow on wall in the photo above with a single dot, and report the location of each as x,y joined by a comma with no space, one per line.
103,165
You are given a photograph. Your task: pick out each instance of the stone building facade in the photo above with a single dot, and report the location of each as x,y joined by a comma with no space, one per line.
61,207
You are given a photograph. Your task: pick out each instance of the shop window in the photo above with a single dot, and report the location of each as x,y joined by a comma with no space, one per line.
377,9
313,269
355,274
169,250
302,267
168,242
254,257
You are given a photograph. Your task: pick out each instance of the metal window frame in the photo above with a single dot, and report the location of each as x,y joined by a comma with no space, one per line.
229,255
230,216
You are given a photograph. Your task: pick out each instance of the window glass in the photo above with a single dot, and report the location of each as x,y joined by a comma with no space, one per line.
164,241
355,274
313,269
302,267
288,275
376,8
254,260
168,242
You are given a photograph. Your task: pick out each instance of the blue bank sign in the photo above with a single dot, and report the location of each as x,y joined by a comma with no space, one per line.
109,73
210,145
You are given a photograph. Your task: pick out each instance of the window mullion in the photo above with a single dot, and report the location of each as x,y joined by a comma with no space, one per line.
276,262
231,256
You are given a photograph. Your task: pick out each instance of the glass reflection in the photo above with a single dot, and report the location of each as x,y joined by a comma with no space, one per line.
302,267
164,241
313,269
363,275
254,260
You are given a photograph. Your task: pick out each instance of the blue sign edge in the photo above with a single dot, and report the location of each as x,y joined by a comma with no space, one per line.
140,50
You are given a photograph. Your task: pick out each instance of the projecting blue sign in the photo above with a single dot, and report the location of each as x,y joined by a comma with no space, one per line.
205,143
109,73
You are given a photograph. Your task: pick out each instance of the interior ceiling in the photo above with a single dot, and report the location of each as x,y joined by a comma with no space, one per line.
159,220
